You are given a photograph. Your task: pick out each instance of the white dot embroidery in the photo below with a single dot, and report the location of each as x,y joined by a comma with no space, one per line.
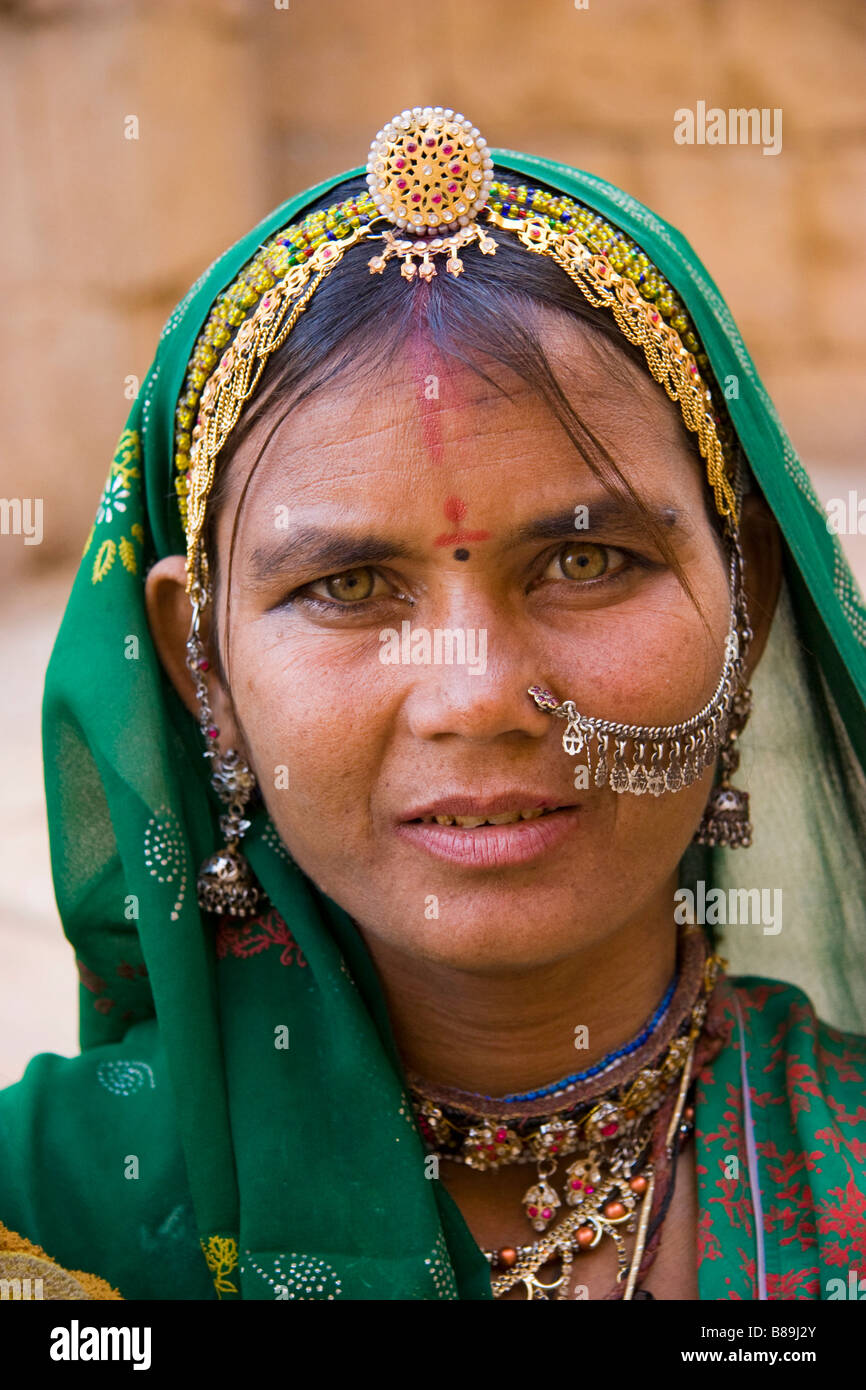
124,1078
406,1112
148,397
271,838
440,1270
301,1276
165,853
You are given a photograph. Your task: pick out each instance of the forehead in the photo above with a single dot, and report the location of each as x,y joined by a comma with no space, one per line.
410,421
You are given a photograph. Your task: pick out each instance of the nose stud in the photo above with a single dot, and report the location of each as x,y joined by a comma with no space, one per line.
545,699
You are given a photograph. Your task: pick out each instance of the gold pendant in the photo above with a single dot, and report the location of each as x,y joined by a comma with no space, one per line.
541,1202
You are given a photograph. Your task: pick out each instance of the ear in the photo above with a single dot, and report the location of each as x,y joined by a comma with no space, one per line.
169,615
762,553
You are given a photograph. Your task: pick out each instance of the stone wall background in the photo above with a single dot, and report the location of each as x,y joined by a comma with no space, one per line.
241,102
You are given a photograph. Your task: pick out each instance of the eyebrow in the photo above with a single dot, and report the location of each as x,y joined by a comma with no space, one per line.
608,514
325,550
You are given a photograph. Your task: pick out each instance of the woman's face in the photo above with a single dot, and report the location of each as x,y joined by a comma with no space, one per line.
392,509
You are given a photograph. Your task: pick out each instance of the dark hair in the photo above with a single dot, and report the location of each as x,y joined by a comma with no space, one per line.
493,313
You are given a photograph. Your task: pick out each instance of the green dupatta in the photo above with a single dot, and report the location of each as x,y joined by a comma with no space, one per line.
184,1155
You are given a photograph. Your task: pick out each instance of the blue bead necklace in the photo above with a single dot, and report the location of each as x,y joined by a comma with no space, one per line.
625,1051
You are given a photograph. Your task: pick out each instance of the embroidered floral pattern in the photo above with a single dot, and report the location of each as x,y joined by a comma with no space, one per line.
114,499
809,1127
221,1254
96,985
123,478
257,935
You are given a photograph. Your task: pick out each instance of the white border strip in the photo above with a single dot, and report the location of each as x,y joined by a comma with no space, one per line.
752,1156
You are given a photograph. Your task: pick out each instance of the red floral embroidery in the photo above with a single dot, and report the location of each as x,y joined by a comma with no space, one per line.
846,1216
790,1284
812,1183
96,985
257,935
844,1065
129,972
738,1210
708,1243
89,978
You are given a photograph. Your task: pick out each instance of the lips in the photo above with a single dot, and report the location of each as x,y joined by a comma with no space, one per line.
472,842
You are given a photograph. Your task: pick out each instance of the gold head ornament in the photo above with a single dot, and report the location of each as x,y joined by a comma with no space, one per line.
432,192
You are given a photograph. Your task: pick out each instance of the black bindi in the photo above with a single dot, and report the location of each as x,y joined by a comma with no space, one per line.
461,554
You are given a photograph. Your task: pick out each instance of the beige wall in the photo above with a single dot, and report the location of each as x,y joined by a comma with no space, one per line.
239,103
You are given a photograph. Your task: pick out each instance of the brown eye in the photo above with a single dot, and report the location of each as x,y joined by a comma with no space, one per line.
352,584
583,561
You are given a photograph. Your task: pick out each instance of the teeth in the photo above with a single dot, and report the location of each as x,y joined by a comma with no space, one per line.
470,822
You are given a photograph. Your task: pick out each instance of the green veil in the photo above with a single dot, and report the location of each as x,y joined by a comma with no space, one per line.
237,1123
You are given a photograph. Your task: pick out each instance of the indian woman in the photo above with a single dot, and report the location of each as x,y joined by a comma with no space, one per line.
454,753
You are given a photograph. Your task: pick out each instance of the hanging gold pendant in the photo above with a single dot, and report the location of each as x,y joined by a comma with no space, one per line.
423,249
540,1202
605,1207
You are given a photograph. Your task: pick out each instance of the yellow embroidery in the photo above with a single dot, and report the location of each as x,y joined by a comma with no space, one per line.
221,1254
127,457
127,554
104,560
108,552
123,472
115,495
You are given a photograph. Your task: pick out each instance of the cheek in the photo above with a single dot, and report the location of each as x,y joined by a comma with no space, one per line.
652,663
309,730
651,833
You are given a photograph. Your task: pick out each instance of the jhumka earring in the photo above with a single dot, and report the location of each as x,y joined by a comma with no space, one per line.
225,880
641,758
726,817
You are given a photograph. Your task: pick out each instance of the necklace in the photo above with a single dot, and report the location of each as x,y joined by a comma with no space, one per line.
618,1122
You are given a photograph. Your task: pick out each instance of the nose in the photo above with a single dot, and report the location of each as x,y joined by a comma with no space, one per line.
482,698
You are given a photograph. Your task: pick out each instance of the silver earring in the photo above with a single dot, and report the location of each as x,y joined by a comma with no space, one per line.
726,818
225,880
725,821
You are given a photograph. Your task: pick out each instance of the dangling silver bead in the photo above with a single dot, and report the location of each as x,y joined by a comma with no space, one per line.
225,881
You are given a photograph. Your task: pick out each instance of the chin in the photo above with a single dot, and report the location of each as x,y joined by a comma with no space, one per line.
486,942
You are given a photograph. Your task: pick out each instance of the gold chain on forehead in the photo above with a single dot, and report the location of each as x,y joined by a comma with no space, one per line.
438,159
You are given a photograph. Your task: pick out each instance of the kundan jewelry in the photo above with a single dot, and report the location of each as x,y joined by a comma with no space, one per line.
607,1121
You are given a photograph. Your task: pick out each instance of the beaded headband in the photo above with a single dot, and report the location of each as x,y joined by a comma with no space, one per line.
430,175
